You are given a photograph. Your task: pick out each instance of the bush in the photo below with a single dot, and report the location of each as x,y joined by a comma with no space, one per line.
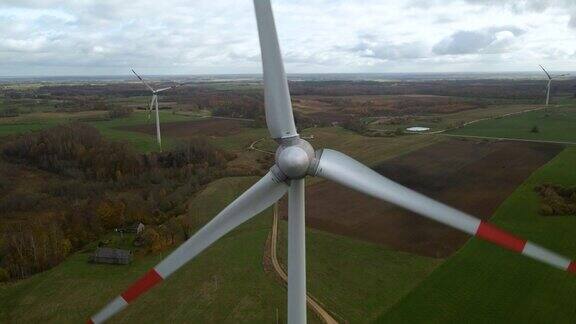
535,130
557,200
197,152
119,112
4,275
19,202
355,125
9,112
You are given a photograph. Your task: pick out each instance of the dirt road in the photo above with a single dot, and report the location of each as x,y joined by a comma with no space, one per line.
254,148
312,304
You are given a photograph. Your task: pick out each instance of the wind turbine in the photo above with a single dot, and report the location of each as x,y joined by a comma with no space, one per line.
550,78
154,104
295,159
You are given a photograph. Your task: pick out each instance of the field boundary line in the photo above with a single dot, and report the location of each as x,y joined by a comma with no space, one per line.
510,139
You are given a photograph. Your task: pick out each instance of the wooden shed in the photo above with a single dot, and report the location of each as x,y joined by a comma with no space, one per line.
111,256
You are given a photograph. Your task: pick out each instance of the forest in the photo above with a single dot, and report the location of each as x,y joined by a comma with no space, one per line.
510,89
90,186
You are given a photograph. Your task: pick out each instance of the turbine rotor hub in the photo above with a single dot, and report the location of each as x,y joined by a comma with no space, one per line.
294,157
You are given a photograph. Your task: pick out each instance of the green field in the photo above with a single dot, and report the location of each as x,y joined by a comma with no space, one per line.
485,284
556,124
355,279
37,121
142,142
448,121
109,128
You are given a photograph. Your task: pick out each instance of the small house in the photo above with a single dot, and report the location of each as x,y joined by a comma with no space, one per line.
135,228
111,256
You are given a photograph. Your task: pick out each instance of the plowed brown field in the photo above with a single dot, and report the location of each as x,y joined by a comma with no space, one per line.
474,176
202,127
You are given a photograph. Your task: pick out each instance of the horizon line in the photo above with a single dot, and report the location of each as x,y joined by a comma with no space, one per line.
293,74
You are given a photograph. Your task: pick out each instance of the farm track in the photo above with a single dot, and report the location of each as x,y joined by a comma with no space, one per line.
442,131
502,116
253,147
311,301
510,139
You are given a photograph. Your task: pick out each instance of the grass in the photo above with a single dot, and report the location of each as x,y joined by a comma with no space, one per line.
37,121
240,141
28,105
357,280
485,284
226,283
555,125
112,129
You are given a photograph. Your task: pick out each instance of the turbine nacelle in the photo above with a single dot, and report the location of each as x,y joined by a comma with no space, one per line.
295,159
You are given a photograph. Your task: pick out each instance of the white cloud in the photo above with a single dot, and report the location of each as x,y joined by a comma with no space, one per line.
219,36
488,41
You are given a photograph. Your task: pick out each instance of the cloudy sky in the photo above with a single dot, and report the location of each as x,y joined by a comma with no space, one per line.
107,37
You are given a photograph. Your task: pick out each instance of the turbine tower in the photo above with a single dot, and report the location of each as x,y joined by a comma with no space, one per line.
550,78
295,160
154,104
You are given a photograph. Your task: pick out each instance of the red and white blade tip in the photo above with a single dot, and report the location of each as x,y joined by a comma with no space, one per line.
493,234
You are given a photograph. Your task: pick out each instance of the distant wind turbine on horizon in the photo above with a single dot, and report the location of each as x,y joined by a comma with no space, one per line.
550,78
154,104
296,159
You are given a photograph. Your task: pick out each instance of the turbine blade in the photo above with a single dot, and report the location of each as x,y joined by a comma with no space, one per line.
547,74
151,106
140,78
164,89
279,116
548,92
346,171
296,253
177,85
256,199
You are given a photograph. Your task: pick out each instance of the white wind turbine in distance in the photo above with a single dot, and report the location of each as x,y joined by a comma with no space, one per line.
154,104
295,160
550,78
